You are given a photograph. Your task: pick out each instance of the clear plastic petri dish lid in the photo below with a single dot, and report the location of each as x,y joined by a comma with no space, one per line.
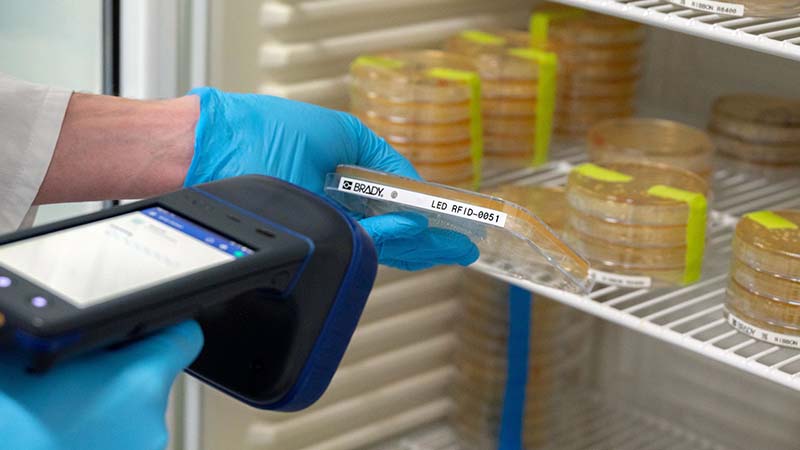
764,283
747,130
769,241
777,154
494,53
434,153
655,140
406,76
419,132
407,112
511,240
623,192
569,26
754,8
759,109
545,202
626,234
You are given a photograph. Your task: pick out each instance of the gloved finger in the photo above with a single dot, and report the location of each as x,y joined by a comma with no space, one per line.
373,152
435,246
171,350
394,226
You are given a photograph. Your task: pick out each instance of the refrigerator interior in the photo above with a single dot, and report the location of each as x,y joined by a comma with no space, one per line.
647,387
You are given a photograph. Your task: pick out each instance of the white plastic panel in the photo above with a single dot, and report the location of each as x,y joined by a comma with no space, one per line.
303,49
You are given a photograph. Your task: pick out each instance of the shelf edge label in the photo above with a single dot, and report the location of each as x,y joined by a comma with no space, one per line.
423,201
785,340
614,279
729,9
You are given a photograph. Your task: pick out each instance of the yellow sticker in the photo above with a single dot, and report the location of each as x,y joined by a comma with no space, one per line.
545,99
602,174
540,23
482,37
473,80
378,61
695,227
771,221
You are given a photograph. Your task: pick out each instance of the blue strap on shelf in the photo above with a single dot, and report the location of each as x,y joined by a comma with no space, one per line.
520,304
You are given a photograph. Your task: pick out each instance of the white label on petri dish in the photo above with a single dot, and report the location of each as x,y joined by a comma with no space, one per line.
729,9
628,281
423,201
786,340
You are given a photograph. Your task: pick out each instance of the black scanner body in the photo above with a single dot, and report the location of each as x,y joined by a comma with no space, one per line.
275,323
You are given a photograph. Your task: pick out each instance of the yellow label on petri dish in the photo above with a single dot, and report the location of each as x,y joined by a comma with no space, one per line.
482,37
473,80
602,174
771,221
695,227
378,61
545,99
540,23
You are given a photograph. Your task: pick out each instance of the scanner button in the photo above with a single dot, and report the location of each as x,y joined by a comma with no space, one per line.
39,302
5,282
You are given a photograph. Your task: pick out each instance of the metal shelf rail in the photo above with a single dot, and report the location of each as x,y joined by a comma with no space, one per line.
779,37
690,317
583,422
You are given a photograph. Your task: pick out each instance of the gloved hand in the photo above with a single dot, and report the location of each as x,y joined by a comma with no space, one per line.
239,134
103,400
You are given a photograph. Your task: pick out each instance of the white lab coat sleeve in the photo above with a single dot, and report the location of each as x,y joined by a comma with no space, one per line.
30,122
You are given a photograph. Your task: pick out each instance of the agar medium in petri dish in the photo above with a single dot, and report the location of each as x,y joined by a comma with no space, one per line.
512,241
769,241
654,140
757,118
757,153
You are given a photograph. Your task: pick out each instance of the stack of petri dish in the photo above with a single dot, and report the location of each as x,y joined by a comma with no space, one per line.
599,65
757,130
558,346
763,296
750,8
638,224
426,104
651,140
518,93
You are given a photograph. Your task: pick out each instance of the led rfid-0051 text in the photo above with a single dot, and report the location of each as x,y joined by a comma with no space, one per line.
423,201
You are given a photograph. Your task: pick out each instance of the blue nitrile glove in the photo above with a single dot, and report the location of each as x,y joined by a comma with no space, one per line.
240,134
107,399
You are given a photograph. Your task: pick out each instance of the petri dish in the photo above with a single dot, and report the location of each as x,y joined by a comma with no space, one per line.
545,202
510,90
418,132
655,140
608,72
764,283
754,152
582,122
510,146
575,56
407,112
611,254
769,241
628,201
757,118
624,234
445,172
624,88
756,8
434,153
505,107
511,240
591,29
404,76
594,106
772,314
522,126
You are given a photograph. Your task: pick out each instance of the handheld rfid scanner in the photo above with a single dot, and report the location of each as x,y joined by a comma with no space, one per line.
276,276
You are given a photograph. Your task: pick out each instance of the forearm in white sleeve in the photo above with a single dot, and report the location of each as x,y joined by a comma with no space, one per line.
30,122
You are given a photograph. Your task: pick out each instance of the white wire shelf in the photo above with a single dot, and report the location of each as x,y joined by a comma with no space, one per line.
779,37
583,421
690,317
